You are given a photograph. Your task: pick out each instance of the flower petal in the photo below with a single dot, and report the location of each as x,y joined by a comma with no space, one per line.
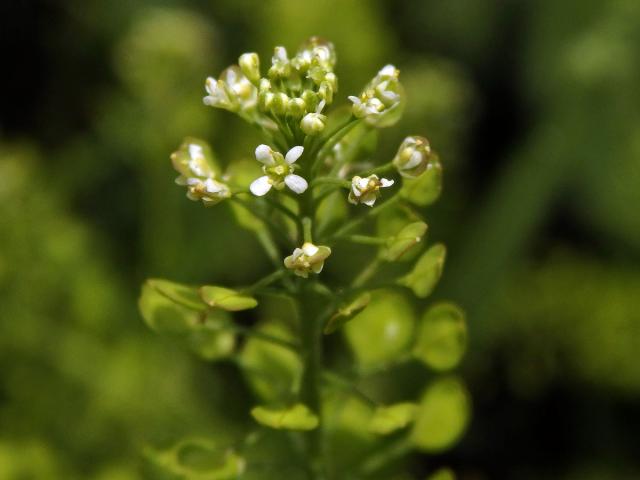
260,186
385,182
264,154
294,154
296,183
309,249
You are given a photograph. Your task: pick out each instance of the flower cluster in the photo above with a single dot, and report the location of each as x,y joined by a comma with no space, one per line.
289,105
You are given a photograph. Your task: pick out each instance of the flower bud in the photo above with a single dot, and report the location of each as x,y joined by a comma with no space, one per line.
413,156
280,65
326,92
310,99
232,91
308,258
279,103
382,100
296,107
250,66
313,123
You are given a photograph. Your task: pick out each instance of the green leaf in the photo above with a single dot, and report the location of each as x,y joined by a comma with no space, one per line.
296,417
198,459
162,305
226,299
388,419
427,271
425,189
381,332
270,369
442,474
163,314
442,416
184,295
404,240
347,311
442,337
213,341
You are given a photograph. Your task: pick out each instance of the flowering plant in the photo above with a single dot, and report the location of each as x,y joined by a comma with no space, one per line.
319,191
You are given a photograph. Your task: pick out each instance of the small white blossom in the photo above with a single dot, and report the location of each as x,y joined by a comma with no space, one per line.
367,190
314,123
308,258
194,163
413,156
381,95
232,91
278,170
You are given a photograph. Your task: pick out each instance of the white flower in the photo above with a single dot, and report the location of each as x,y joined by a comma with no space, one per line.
308,258
314,123
380,97
413,156
279,171
367,190
208,190
232,91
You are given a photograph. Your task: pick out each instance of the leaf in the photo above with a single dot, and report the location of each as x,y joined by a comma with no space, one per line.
296,417
184,295
381,332
442,474
442,337
163,314
226,299
347,311
442,415
427,271
162,307
425,189
198,459
270,369
404,240
390,418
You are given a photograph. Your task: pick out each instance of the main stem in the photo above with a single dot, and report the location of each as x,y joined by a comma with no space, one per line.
311,342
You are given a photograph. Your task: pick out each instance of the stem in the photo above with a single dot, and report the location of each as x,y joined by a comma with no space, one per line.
333,138
368,272
347,384
307,225
353,224
331,181
311,340
265,281
389,453
378,170
365,239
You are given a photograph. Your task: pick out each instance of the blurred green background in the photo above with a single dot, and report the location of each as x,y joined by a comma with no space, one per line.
534,107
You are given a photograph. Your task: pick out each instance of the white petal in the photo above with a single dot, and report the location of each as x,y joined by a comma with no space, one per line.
296,183
369,200
294,154
260,186
181,180
210,85
309,249
320,106
363,183
264,154
388,71
385,182
355,100
414,160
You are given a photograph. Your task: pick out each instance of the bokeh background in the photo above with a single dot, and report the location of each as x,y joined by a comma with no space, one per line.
534,107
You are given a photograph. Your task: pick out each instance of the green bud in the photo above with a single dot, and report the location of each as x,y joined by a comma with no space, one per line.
313,123
250,66
325,92
310,99
296,107
279,103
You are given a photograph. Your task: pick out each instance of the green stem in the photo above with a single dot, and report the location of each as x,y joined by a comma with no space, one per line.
368,272
386,455
265,281
311,340
331,181
378,170
272,226
333,138
355,223
365,239
348,385
307,226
